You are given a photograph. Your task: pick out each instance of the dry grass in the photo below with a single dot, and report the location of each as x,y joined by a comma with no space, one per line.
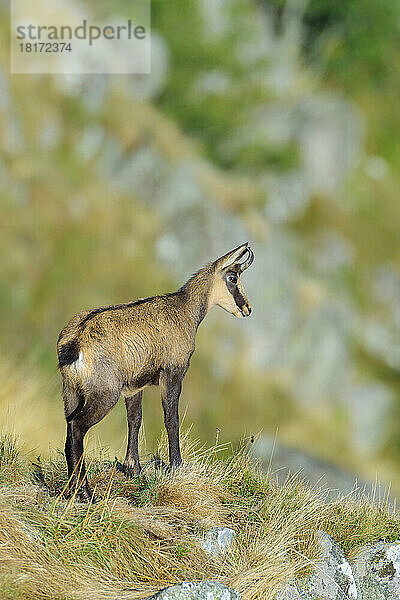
142,535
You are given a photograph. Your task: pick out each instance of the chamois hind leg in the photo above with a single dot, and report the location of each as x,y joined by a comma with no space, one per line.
97,405
131,466
74,401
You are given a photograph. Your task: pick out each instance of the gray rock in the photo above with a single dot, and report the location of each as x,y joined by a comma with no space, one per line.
217,540
291,592
199,590
332,578
377,571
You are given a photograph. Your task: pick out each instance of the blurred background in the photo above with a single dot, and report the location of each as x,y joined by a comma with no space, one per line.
271,121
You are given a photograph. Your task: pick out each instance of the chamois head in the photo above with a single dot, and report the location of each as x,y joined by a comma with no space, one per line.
227,290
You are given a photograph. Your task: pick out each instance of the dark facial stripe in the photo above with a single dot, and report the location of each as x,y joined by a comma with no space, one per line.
234,290
240,301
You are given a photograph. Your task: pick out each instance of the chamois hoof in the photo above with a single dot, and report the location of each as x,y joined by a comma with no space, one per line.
81,495
159,464
87,496
84,493
129,472
119,467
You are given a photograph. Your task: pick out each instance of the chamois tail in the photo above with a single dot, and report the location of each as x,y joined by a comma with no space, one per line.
68,353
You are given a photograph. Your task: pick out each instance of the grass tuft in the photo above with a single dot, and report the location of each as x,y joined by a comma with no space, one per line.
143,534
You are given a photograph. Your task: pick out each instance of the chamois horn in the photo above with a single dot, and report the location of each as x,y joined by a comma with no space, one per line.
245,265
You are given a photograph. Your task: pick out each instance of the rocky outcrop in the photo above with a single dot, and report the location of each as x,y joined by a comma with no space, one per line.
332,578
373,575
377,571
201,590
217,540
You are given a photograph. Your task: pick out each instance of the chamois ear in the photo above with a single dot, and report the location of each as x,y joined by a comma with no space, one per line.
231,257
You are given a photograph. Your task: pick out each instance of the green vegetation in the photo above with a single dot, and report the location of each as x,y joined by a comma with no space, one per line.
142,534
356,36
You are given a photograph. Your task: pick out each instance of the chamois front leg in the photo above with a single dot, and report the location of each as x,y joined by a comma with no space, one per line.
171,386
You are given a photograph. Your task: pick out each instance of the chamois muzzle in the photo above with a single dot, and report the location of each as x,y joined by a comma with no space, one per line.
246,264
246,310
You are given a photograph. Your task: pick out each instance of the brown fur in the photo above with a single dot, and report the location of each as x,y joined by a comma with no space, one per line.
124,348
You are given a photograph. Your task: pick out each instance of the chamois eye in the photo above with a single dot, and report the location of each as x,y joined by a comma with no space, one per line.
232,278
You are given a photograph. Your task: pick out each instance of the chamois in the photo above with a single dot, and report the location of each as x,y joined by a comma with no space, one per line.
122,348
